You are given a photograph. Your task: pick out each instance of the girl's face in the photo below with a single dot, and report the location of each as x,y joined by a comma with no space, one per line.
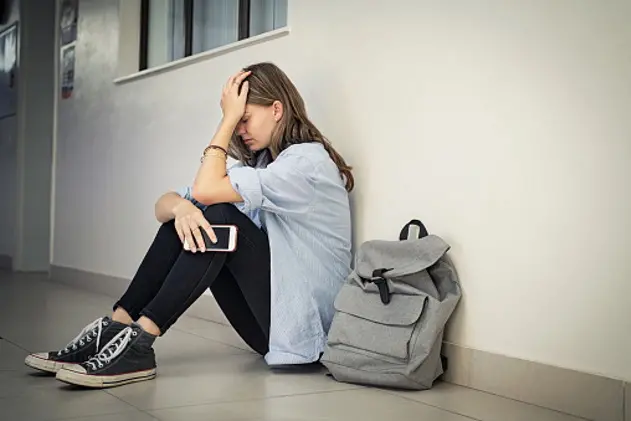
257,125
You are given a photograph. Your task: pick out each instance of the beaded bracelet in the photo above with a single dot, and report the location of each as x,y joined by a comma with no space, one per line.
210,148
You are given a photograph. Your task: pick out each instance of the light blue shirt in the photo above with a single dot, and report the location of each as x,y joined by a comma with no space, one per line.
299,199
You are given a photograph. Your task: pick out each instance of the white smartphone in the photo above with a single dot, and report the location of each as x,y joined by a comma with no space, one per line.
226,239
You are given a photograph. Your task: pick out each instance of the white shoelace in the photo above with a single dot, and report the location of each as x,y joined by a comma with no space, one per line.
112,349
93,330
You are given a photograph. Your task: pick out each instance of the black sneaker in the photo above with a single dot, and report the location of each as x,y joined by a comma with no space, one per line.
88,343
127,358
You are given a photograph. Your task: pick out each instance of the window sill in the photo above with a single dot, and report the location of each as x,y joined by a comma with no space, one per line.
224,49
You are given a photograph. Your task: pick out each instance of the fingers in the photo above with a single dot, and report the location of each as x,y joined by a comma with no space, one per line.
236,79
203,223
229,83
240,77
185,227
244,90
199,239
188,237
179,230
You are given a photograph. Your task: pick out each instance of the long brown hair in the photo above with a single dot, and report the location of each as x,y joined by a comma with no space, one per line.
268,83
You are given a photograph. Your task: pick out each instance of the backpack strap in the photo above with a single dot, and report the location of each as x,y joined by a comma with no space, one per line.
413,230
381,282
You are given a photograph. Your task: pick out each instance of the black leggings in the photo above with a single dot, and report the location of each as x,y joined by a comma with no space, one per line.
170,279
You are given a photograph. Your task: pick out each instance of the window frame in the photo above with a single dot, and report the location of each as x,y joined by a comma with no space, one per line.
243,18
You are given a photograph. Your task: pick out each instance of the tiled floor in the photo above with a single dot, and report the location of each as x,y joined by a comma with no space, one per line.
205,373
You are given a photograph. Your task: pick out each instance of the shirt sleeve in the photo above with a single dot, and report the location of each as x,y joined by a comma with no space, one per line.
185,192
286,186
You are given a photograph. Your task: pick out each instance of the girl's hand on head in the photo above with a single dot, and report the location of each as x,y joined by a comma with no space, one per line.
233,102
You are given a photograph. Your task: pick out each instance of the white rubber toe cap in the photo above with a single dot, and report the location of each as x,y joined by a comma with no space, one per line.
41,362
76,369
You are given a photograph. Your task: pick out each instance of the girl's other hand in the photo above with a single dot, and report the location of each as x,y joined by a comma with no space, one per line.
189,221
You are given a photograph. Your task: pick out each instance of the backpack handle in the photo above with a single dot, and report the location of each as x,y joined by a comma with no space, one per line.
413,230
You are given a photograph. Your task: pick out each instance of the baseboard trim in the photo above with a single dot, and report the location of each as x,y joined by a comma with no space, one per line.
6,262
584,395
581,394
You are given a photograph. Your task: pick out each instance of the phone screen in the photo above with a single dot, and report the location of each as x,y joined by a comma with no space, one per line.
223,239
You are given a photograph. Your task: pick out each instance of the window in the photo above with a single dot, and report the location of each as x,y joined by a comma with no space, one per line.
174,29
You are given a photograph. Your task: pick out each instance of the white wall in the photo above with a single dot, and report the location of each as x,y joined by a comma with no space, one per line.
504,125
8,162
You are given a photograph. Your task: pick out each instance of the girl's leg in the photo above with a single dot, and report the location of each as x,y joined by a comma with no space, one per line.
193,273
151,274
146,283
130,357
242,291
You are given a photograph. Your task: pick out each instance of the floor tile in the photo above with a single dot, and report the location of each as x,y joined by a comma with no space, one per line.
482,406
222,379
177,347
205,371
364,405
11,357
210,330
54,314
59,403
15,383
125,416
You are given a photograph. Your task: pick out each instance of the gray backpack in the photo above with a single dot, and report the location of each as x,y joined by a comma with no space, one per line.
392,311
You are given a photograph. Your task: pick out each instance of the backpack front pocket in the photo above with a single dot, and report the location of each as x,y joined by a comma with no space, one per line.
364,323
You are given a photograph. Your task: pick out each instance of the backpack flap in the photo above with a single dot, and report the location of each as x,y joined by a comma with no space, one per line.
378,262
399,258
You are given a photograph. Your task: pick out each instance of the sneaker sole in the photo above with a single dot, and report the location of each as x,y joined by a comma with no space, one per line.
48,366
101,382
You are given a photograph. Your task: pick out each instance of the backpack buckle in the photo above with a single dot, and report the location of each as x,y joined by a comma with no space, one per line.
382,284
